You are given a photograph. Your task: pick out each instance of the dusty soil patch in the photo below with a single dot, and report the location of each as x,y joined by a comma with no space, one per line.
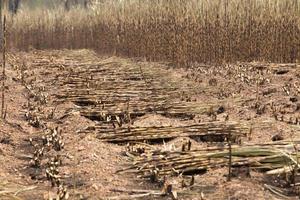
268,102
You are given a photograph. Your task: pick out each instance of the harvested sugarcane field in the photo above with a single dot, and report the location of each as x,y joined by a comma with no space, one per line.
150,99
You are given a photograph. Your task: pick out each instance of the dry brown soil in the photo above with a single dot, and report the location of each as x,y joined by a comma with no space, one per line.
89,165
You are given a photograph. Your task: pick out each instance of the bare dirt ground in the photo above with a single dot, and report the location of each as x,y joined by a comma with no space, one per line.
73,90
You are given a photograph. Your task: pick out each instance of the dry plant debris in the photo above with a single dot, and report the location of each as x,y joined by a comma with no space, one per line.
253,101
200,131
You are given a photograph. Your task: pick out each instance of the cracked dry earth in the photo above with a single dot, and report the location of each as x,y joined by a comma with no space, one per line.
61,105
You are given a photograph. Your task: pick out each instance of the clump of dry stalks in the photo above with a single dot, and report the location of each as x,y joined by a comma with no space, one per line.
183,32
209,131
278,159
